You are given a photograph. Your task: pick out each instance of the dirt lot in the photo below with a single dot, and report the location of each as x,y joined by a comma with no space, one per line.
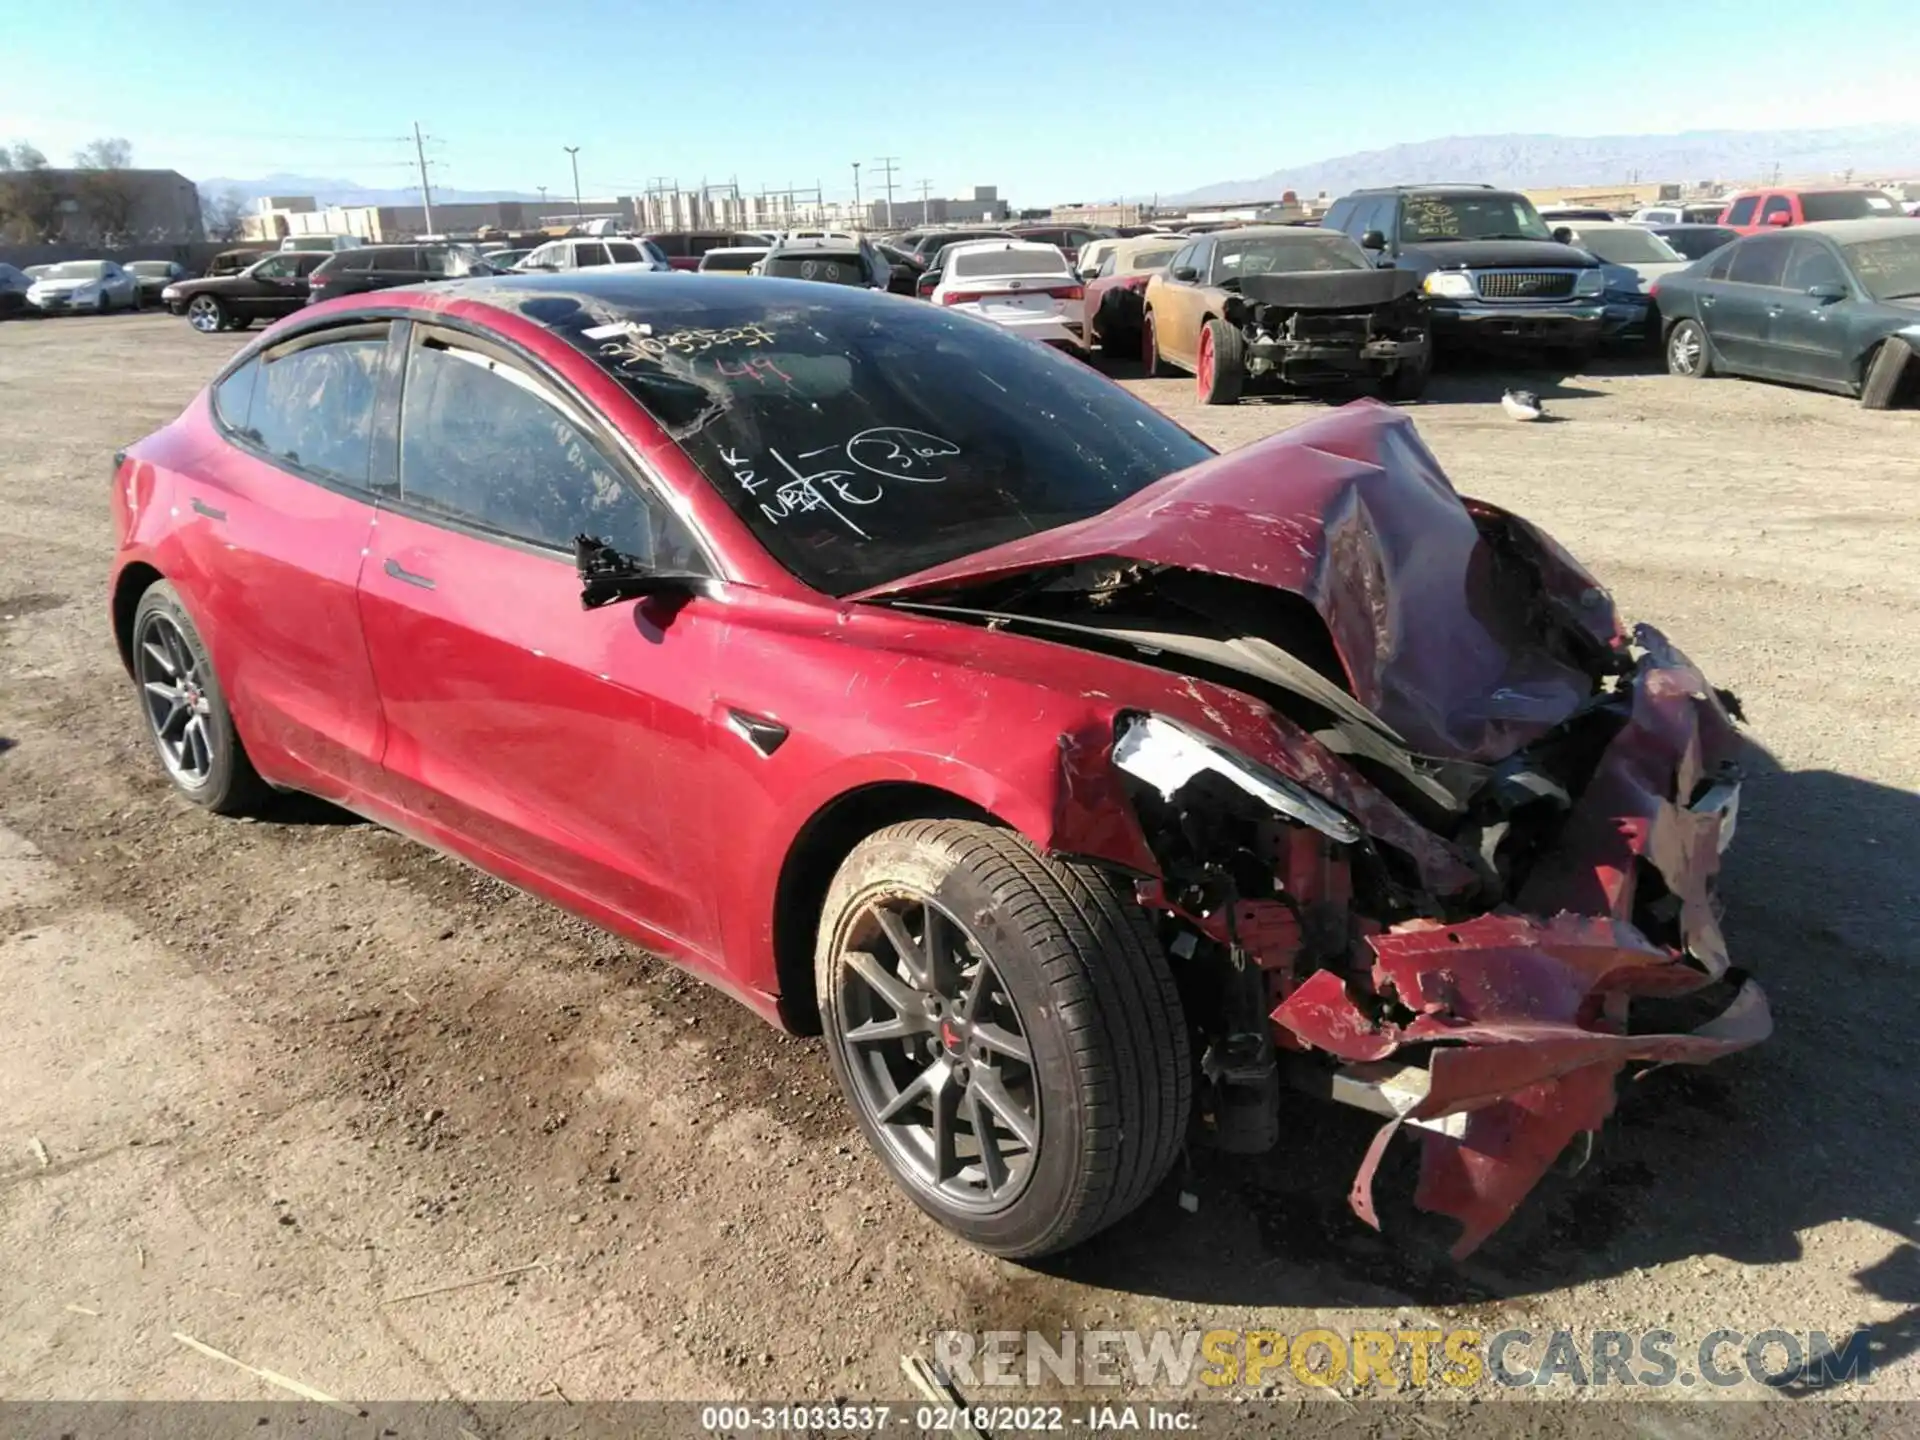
260,1083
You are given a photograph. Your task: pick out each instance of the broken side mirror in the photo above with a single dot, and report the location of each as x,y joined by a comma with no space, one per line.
1185,272
607,575
1563,235
1827,294
1373,240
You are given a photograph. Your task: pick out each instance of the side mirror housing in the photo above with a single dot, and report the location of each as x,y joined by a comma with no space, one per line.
607,576
1186,272
1373,240
1779,217
1563,234
1827,294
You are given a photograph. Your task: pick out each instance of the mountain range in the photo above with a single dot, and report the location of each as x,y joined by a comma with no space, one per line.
1541,161
333,191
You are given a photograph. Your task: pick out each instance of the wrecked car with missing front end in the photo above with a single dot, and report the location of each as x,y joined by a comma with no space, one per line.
1285,306
1454,861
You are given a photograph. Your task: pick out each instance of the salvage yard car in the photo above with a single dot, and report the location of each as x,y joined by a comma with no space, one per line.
1112,305
266,290
1495,275
1282,305
96,286
1634,260
1024,287
918,686
1834,305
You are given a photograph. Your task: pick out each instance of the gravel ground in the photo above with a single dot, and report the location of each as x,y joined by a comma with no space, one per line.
264,1082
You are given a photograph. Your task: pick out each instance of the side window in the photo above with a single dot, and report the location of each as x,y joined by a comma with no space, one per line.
314,407
438,260
1742,211
233,396
1203,260
278,268
1184,258
1776,205
1378,215
1760,261
1340,213
590,253
1813,264
1722,262
627,254
483,442
307,264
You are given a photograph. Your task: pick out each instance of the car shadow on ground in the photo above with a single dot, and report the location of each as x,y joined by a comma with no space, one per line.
1738,1159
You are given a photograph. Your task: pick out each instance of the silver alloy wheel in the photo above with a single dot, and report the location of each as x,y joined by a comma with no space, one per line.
203,313
937,1053
1683,350
177,704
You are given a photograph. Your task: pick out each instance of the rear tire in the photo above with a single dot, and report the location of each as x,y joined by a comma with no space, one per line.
1064,965
1689,352
1885,371
1220,368
185,709
1150,348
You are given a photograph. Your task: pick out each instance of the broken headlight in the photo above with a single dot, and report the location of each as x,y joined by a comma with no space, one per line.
1165,754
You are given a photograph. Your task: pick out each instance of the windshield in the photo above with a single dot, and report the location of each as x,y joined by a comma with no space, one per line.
75,270
1285,255
863,438
1492,216
1704,241
1845,205
1627,245
738,260
835,267
1889,269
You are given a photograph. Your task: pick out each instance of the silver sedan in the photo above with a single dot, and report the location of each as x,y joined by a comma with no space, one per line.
94,286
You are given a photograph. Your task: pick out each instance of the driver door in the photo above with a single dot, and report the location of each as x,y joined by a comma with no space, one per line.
1177,315
559,747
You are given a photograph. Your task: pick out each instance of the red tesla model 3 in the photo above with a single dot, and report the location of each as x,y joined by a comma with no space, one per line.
916,685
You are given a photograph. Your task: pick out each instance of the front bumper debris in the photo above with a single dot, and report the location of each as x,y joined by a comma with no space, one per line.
1522,1018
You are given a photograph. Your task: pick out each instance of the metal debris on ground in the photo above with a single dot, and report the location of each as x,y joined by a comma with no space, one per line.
271,1377
39,1152
942,1392
467,1284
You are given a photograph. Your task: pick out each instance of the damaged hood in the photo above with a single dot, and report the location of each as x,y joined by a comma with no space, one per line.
1440,631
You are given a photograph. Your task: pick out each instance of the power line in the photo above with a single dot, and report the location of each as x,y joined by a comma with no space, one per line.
886,164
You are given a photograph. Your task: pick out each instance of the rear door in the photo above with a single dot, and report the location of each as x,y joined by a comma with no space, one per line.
1743,307
562,747
278,518
1807,337
277,286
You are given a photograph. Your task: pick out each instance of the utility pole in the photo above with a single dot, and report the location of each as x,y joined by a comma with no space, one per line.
887,164
573,154
426,190
925,186
858,219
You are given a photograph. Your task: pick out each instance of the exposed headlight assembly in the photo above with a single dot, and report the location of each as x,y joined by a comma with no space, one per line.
1165,754
1591,282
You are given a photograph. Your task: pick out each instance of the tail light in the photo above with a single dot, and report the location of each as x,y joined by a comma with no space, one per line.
1068,292
962,297
1057,292
1653,291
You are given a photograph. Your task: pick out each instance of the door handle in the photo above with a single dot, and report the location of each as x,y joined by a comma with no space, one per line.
200,507
400,572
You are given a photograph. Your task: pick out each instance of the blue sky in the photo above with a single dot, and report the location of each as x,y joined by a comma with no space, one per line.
1050,101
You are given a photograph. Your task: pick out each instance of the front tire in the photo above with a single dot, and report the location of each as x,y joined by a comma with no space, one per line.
1883,373
186,711
1219,370
1007,1032
1689,354
207,314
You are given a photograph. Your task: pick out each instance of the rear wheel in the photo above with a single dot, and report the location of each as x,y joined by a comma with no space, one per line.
1688,354
1220,368
1007,1031
185,709
1150,347
206,314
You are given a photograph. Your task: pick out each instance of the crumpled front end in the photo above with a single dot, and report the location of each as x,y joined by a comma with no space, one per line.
1499,1037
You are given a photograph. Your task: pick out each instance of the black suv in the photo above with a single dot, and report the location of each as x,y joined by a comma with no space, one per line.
1487,261
381,267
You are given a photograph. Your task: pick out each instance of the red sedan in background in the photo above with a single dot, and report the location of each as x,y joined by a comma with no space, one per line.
914,684
1113,309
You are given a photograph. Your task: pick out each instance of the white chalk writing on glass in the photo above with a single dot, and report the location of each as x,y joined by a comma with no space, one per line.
802,494
902,454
